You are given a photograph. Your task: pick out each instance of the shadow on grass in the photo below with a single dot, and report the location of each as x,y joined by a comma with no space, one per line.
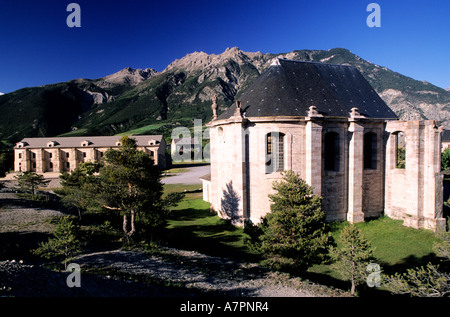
203,231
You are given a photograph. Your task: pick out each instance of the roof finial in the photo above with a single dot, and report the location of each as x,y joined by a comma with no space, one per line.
237,111
214,107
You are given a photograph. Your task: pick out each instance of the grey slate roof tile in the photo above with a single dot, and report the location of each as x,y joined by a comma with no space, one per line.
289,88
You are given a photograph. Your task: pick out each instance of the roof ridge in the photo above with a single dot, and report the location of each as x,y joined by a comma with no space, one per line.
309,62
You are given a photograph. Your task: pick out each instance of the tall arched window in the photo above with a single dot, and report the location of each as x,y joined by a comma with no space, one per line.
331,151
370,150
274,152
400,149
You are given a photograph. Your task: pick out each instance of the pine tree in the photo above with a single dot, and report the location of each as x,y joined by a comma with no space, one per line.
294,234
130,183
31,181
65,241
353,254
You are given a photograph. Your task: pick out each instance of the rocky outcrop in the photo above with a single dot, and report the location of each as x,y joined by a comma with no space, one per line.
127,76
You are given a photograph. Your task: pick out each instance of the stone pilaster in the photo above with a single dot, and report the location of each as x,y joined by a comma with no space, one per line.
314,155
355,172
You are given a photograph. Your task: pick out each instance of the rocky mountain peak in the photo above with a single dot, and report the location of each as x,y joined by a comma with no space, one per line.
130,76
448,88
200,61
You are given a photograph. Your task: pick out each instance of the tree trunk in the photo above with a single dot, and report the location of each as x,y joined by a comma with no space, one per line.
128,233
352,291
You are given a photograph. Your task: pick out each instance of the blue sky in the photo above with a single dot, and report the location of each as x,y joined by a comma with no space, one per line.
37,47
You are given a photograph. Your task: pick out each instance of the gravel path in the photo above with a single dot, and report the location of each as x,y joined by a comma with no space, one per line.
205,274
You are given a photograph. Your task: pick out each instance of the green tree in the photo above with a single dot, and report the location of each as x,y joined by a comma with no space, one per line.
80,187
352,256
65,242
445,159
294,235
130,183
31,181
401,157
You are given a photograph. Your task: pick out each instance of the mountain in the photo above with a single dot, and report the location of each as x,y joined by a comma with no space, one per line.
132,98
448,88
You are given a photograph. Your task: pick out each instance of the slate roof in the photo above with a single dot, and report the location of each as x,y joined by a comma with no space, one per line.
289,88
445,136
93,141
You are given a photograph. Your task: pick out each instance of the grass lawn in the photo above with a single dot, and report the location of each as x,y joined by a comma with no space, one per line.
192,226
141,130
397,248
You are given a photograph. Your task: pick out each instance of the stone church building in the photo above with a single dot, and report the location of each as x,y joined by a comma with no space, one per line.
326,123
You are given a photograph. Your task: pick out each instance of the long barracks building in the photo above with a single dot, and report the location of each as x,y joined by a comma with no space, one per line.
59,154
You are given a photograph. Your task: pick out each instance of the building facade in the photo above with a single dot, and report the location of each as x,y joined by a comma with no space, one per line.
64,154
327,124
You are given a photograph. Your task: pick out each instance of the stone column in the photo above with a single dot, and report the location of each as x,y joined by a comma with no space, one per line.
40,161
433,179
57,167
414,173
314,155
355,172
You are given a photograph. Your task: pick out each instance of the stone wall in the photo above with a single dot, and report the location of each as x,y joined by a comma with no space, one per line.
352,191
415,193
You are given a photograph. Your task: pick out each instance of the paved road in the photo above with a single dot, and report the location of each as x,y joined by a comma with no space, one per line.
192,176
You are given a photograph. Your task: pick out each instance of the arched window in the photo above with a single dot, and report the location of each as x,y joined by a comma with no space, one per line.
274,152
400,149
370,150
331,151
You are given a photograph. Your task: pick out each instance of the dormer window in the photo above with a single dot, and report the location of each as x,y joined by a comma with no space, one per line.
86,143
52,144
21,144
118,143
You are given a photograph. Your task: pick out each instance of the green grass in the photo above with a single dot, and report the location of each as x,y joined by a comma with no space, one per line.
78,132
397,248
192,226
142,130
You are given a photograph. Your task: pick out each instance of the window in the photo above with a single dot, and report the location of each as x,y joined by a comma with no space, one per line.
331,151
67,164
84,154
50,155
370,150
20,155
274,152
400,150
50,165
67,155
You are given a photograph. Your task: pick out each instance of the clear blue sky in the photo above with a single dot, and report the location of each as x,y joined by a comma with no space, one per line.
37,47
